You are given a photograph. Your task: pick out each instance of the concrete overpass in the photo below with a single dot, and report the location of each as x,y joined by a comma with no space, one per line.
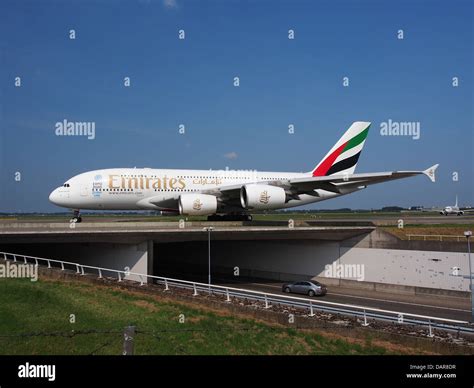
269,251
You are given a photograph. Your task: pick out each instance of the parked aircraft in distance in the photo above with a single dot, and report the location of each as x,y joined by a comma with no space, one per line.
454,209
225,194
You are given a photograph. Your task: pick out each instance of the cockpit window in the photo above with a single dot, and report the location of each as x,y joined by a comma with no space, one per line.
66,185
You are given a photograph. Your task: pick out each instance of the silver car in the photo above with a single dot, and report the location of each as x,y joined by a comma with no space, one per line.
307,288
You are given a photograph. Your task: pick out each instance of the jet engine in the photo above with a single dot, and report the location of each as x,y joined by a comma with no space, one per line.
197,204
262,197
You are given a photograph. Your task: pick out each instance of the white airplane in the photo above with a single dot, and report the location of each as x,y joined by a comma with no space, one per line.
225,194
452,209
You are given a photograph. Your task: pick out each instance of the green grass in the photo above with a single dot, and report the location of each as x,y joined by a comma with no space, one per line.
45,307
441,225
419,231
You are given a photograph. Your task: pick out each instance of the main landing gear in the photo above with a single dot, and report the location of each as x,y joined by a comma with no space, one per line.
76,218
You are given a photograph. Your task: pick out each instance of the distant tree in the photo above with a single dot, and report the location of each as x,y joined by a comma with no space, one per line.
392,209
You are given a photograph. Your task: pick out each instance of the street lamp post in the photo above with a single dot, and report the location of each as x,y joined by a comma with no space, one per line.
468,234
209,229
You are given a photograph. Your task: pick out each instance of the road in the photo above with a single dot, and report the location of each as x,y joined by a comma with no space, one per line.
442,306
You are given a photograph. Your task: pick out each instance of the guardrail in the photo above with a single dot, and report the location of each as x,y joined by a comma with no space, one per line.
266,298
435,237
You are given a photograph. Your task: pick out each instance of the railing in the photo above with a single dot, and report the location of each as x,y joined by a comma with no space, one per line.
266,298
434,237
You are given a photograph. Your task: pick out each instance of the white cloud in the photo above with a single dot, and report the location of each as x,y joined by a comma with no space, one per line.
231,155
170,4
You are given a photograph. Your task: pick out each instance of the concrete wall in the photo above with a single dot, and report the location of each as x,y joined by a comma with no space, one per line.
113,256
298,260
407,267
382,239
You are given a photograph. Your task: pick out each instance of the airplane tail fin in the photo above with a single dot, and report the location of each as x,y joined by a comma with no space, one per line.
343,156
456,205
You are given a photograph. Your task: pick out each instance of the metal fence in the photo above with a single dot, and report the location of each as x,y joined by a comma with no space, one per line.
435,237
267,299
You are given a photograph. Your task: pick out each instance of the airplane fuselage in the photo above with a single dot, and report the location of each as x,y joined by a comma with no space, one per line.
141,188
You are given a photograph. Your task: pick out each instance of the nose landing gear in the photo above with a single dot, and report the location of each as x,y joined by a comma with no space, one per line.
76,218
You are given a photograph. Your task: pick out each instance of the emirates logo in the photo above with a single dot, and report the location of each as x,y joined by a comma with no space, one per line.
197,204
264,197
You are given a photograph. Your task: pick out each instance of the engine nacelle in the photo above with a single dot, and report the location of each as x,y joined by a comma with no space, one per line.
197,204
261,197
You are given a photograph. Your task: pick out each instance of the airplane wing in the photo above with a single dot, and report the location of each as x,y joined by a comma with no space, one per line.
340,183
334,183
432,209
158,203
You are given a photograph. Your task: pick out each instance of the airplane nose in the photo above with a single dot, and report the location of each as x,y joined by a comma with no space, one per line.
54,196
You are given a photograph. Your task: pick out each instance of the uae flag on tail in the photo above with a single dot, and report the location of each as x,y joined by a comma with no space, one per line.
343,157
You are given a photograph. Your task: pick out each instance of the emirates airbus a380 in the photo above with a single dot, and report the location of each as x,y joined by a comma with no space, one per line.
225,194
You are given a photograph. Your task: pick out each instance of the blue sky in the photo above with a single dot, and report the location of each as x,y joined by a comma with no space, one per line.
190,82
